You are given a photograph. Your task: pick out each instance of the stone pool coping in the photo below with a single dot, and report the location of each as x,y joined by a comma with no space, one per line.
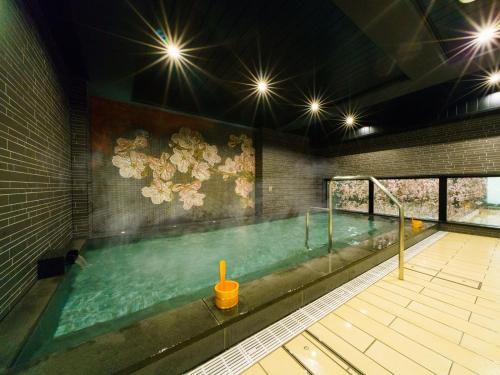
179,339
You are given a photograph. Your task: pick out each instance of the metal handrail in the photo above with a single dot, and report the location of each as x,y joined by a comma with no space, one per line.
308,219
391,197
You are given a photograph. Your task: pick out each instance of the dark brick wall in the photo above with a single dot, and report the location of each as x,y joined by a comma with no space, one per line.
80,157
463,147
288,184
35,163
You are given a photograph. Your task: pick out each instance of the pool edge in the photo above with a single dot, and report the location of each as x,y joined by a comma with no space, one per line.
183,349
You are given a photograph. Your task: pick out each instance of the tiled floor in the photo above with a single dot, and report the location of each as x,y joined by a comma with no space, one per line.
444,318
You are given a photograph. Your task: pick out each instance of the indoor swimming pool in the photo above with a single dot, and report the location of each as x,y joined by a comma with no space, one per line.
125,281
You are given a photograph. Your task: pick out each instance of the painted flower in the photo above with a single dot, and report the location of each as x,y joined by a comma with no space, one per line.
210,155
124,145
201,171
188,139
188,194
243,187
245,162
132,165
230,168
183,159
159,191
191,198
246,145
162,167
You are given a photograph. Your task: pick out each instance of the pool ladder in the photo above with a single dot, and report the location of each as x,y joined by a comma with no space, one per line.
330,216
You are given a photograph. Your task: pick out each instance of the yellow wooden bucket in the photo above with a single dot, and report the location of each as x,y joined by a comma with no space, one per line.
226,291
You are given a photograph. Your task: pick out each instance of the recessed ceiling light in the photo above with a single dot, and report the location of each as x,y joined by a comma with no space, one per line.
314,106
262,86
350,120
173,51
485,35
466,1
494,78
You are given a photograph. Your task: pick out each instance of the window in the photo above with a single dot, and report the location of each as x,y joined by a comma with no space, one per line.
351,195
419,197
474,200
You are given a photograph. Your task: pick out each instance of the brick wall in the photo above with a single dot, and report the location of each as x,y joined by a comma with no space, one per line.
463,147
80,157
288,183
35,163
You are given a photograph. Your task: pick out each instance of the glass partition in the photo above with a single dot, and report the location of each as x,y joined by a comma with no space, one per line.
419,197
474,200
350,195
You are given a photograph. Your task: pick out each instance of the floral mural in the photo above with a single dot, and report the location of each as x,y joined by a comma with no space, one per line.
180,171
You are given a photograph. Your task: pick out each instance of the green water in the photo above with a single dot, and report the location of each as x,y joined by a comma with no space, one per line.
123,279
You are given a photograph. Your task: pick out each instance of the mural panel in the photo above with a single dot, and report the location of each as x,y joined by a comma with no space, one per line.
151,167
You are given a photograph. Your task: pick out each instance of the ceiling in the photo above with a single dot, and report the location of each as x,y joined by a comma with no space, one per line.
386,59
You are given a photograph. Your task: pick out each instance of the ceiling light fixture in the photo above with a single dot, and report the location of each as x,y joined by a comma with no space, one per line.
173,51
315,107
485,35
466,1
350,120
261,86
494,78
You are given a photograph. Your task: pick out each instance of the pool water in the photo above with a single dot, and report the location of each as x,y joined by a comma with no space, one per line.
123,279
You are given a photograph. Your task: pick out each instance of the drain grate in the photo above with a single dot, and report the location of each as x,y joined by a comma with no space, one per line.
245,354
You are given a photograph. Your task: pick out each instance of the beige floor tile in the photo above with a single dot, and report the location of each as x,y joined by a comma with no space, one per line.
342,363
493,305
425,357
372,311
364,363
461,304
427,263
435,256
313,358
481,347
280,362
414,287
449,324
491,289
254,370
457,323
449,244
483,321
426,300
457,263
459,280
394,361
419,275
453,352
492,281
426,270
343,328
475,276
389,295
452,292
475,262
465,289
458,236
420,320
456,369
